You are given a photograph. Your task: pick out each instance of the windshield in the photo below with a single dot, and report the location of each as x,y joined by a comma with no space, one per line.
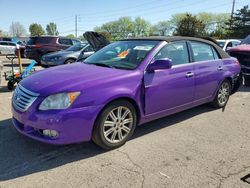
221,43
246,40
122,54
76,48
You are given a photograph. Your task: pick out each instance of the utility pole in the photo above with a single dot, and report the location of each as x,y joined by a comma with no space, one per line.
233,9
76,26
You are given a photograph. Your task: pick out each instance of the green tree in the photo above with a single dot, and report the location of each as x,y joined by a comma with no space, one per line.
164,28
176,18
141,27
51,29
17,29
70,36
121,28
190,26
215,24
36,29
239,25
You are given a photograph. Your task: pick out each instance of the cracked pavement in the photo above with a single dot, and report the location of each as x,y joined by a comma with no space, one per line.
197,148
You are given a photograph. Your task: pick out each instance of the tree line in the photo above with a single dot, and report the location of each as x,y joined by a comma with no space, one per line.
220,25
185,24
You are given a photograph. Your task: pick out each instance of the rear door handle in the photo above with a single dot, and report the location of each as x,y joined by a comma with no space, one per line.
189,74
220,68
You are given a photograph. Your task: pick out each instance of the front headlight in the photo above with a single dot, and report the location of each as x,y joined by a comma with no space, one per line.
58,101
56,58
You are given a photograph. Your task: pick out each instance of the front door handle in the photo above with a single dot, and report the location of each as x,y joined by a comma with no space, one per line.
189,74
220,68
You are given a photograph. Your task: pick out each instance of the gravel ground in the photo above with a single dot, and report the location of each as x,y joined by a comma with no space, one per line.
200,147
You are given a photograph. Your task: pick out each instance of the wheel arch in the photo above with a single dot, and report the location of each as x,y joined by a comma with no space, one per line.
125,98
69,58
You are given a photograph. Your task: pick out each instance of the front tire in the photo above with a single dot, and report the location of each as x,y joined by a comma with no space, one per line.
115,125
69,61
222,95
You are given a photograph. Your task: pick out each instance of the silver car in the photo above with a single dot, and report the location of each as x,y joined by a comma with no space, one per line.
70,55
7,47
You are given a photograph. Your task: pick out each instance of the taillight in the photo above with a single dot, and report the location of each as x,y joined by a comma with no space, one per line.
37,46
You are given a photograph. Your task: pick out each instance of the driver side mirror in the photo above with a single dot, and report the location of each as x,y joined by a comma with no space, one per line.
159,64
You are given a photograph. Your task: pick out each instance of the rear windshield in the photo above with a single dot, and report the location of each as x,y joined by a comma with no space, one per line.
40,40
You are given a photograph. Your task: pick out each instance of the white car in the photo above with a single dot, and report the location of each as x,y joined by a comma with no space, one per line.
7,47
228,43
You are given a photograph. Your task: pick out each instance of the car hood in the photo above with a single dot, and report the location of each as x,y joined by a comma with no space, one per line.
73,77
60,53
242,47
96,40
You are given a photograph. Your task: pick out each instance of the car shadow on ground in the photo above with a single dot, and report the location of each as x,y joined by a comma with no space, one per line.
4,89
15,65
21,156
244,89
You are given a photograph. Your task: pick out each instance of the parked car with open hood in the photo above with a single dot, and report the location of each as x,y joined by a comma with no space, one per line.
70,55
242,53
38,46
122,85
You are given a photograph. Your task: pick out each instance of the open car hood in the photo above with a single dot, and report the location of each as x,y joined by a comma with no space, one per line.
96,40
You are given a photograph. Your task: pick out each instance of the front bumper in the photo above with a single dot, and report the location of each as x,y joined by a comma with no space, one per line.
237,82
73,125
46,63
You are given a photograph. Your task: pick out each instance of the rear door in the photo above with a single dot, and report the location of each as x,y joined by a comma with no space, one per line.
173,88
4,48
208,69
11,48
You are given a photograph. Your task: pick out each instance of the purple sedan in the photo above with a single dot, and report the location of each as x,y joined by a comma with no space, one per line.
125,84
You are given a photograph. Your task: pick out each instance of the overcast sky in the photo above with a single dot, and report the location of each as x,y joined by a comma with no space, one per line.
96,12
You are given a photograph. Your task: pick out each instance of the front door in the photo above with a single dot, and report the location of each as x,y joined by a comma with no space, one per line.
172,88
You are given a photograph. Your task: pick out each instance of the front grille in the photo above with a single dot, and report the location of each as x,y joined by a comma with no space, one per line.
22,98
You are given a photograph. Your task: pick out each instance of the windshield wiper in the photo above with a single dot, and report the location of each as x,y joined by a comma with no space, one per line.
101,64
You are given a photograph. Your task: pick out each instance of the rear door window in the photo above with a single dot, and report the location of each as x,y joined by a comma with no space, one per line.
3,43
40,40
65,41
203,52
11,44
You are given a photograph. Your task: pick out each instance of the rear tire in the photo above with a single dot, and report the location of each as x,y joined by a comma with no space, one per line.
222,94
246,81
115,125
10,85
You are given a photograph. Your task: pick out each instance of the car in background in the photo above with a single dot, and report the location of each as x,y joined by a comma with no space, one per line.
242,53
70,55
124,84
40,45
22,48
228,43
7,47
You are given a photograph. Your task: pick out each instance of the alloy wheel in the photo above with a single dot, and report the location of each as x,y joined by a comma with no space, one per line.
223,93
118,124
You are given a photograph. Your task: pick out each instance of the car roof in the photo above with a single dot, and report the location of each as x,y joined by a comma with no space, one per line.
209,41
224,40
8,42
